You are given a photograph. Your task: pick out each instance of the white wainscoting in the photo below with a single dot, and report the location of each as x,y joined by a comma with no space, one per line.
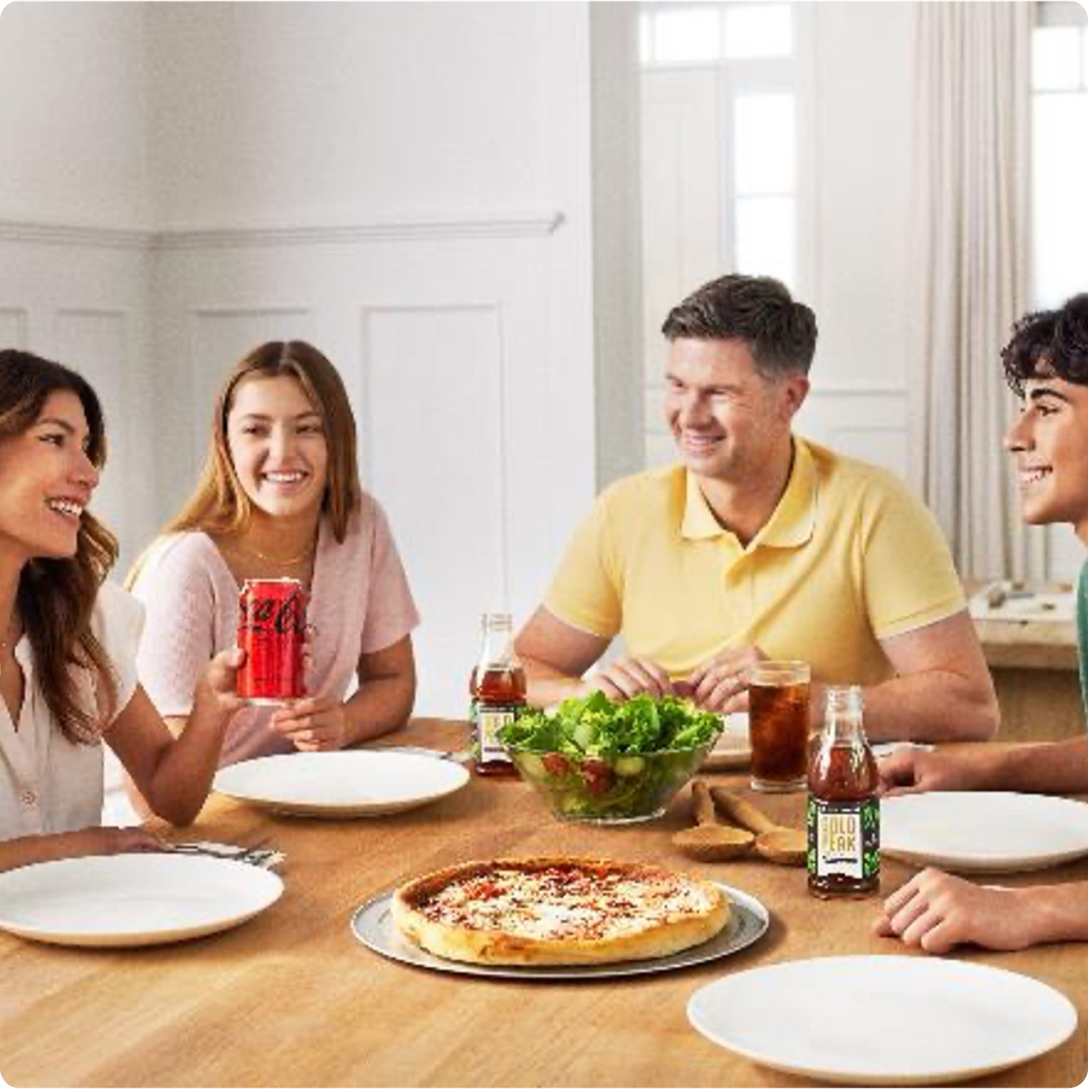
463,340
440,468
475,416
94,341
867,422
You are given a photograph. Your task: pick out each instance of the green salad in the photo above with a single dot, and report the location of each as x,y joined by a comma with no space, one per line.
609,762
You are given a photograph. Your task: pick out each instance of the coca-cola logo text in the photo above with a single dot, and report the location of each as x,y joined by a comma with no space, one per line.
269,615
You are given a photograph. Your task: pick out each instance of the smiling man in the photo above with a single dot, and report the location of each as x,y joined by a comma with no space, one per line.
760,544
1046,364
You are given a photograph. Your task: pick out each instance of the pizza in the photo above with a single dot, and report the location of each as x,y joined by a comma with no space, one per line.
541,911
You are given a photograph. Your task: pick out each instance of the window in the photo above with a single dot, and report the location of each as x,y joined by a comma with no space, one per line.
763,183
738,58
1059,76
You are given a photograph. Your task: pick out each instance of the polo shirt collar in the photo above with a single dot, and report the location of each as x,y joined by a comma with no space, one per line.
699,523
792,522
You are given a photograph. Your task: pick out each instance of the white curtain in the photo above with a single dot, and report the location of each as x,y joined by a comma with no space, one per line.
972,152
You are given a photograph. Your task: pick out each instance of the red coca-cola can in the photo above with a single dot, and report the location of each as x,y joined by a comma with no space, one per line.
272,631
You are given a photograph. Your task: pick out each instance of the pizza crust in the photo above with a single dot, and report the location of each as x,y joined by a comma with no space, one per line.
655,912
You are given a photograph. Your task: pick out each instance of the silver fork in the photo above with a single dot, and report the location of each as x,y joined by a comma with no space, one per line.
457,756
256,853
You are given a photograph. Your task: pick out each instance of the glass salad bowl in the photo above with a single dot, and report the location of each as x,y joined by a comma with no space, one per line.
619,790
611,763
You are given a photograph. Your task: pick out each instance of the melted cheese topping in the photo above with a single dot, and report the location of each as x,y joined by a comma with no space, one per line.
566,902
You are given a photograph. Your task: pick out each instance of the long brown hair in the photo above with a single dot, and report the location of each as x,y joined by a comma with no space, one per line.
56,597
219,505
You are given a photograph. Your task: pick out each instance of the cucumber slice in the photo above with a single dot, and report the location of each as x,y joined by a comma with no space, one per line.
584,734
532,765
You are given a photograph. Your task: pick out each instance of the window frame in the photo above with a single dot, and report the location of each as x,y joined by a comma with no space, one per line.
1050,14
793,74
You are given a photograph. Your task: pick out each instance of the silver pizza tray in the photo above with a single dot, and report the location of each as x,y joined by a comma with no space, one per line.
373,925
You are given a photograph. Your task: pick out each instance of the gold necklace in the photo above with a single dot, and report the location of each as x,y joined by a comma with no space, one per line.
290,562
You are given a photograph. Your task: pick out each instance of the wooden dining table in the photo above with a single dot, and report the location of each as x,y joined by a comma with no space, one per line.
293,998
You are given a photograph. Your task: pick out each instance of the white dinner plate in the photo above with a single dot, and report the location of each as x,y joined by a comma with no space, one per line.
733,748
132,899
984,832
351,783
891,1020
373,925
889,748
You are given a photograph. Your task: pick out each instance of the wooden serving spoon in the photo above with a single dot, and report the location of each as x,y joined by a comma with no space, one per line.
709,841
786,846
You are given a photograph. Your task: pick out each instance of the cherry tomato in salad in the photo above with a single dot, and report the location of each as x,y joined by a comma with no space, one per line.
556,763
598,776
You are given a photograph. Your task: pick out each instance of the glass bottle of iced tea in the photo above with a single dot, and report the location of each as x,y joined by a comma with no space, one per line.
497,688
843,816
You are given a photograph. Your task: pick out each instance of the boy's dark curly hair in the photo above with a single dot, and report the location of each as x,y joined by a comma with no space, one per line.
1049,344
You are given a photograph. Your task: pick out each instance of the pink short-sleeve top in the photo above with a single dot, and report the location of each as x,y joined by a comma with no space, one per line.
360,603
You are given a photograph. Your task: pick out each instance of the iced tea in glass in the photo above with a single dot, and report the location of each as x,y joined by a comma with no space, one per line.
778,694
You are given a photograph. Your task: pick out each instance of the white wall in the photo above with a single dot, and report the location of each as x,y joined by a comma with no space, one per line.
280,112
862,112
407,185
72,114
617,241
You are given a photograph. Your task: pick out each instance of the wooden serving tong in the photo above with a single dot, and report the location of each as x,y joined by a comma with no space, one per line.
709,841
774,842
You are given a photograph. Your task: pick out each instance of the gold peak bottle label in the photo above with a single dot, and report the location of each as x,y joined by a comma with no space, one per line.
488,722
844,838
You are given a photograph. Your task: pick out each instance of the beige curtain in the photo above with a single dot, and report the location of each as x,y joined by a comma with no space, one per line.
972,152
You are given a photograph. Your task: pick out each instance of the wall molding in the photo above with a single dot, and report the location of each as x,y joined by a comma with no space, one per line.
70,234
437,227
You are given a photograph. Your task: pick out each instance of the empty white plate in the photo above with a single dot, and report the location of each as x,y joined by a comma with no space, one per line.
985,832
351,783
136,899
894,1020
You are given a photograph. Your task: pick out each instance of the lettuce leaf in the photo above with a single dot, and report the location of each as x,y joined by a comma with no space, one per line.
595,726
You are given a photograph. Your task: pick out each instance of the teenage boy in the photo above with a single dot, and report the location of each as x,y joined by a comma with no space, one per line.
1046,364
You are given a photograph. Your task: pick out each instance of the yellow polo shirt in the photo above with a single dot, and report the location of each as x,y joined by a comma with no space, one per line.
848,557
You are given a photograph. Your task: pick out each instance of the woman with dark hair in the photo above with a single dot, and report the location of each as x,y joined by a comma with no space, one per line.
280,498
68,641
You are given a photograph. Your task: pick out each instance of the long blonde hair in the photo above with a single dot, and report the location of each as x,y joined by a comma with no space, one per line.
219,505
56,596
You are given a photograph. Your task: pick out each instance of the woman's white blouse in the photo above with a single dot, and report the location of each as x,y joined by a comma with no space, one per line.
48,784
